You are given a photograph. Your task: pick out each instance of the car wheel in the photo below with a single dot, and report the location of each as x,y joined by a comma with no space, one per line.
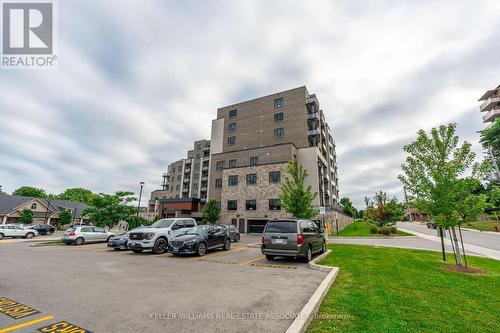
270,258
48,232
309,254
1,236
160,246
201,249
323,248
107,239
227,245
79,241
137,251
236,238
29,235
116,249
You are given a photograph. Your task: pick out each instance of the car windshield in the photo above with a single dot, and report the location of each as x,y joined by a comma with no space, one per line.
165,223
199,229
71,230
284,227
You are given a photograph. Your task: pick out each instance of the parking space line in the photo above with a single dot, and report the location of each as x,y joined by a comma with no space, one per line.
28,323
251,260
223,252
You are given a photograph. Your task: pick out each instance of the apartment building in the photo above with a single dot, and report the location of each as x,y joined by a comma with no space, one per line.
490,105
188,178
251,143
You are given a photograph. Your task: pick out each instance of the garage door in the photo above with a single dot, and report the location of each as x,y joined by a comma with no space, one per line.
256,226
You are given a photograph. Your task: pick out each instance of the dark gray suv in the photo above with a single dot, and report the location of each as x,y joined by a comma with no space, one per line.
292,238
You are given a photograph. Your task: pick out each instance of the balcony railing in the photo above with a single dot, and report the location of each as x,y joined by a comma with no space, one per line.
488,102
204,178
188,160
188,170
313,132
312,116
311,100
205,158
185,190
491,115
203,189
205,168
206,148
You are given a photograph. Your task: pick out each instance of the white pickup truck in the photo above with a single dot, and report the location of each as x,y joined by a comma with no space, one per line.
156,237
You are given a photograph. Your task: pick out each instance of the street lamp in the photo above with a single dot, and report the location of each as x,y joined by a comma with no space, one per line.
140,197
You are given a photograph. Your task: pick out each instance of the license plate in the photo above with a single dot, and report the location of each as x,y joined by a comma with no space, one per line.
279,241
175,250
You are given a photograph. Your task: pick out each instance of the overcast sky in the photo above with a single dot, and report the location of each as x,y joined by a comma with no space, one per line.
138,81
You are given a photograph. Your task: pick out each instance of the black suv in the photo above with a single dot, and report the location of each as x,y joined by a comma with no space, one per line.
43,229
199,239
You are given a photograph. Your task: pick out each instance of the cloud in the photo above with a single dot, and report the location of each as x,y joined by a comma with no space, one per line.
138,82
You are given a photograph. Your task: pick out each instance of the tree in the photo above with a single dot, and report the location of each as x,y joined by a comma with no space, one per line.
29,191
294,198
383,211
436,175
348,208
26,216
210,212
65,217
77,194
490,138
109,209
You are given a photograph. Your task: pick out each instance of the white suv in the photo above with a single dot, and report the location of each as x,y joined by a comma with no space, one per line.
156,237
14,230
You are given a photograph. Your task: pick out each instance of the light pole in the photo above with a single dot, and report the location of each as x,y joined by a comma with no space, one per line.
140,197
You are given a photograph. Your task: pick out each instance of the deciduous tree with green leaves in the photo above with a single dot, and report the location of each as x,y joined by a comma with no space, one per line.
26,216
382,210
295,198
347,207
65,217
108,209
490,138
210,212
30,191
77,194
441,177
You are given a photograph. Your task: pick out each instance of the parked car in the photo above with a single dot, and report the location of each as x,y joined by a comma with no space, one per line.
292,238
14,231
119,242
431,225
86,234
234,234
199,239
43,229
156,237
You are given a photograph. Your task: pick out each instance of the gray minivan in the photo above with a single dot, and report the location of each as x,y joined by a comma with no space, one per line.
292,238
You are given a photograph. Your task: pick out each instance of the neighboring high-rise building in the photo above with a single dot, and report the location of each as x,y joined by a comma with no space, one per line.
188,178
490,105
251,143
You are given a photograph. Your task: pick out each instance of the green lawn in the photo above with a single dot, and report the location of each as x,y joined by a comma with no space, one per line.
362,229
484,226
399,290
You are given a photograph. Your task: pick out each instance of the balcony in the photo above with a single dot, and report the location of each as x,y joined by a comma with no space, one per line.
313,132
188,170
188,161
205,158
204,199
203,189
206,148
491,115
312,116
186,180
185,190
312,100
489,103
205,168
204,179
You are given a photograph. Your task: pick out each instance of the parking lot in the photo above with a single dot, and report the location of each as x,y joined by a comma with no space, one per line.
101,290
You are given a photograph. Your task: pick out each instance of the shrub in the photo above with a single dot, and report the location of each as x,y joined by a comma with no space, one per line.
374,230
393,230
385,231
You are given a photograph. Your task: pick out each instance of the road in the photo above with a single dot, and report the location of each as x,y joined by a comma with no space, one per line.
103,290
482,239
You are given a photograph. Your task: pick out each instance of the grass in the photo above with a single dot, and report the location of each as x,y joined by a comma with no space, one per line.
483,226
362,229
399,290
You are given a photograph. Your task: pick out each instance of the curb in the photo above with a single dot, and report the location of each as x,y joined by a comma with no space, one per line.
481,231
380,237
306,315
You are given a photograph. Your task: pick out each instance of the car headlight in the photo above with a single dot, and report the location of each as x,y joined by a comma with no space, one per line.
149,235
191,242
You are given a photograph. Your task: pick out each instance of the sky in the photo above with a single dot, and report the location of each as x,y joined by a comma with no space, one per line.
139,81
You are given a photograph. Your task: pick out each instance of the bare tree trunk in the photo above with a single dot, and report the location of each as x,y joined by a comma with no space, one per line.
456,247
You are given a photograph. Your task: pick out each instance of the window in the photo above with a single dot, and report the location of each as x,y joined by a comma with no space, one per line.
251,179
278,103
232,205
231,127
233,113
189,224
284,227
87,229
278,116
274,204
251,205
196,166
274,177
179,168
197,156
195,186
231,140
178,187
219,165
232,163
278,132
198,146
254,160
196,176
305,226
33,206
179,177
233,181
218,183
